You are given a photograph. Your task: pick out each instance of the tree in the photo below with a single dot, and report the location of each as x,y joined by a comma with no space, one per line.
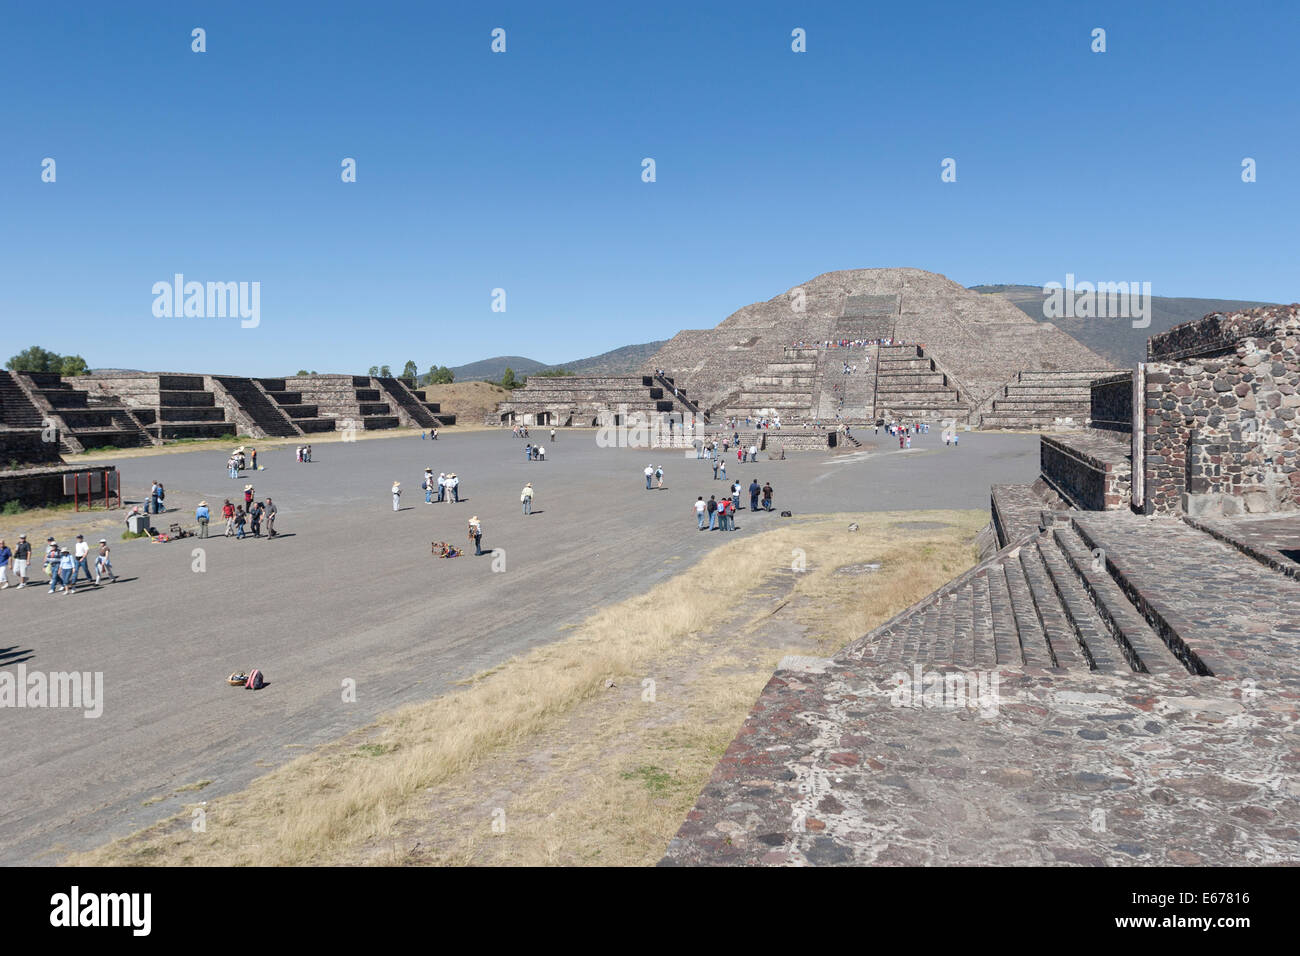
441,375
37,359
374,370
410,370
73,365
303,371
385,372
508,379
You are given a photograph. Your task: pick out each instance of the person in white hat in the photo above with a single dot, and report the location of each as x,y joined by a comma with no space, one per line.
526,498
397,494
102,563
649,473
476,534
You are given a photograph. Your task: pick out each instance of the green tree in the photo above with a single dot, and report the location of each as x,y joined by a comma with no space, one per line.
72,365
441,375
385,372
508,379
35,359
410,370
374,370
303,371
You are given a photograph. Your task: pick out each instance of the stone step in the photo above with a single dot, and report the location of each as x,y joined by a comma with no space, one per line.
982,623
1034,649
1095,641
1062,642
1006,634
1140,646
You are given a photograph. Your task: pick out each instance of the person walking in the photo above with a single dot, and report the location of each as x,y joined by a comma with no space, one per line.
476,534
397,494
715,469
103,564
712,507
254,459
528,452
255,519
6,556
67,572
649,473
526,498
228,512
767,496
22,555
79,551
248,498
241,517
428,485
659,477
270,510
722,468
552,436
202,517
701,512
755,489
453,483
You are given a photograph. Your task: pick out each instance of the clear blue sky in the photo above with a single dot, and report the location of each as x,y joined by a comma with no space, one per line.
522,170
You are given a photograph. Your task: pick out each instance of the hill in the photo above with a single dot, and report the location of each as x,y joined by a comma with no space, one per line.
621,361
1115,339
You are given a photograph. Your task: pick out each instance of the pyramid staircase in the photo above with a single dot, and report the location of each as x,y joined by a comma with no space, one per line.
1099,591
910,387
411,406
1044,400
84,419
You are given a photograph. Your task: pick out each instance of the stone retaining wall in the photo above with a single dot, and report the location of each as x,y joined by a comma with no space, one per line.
1111,407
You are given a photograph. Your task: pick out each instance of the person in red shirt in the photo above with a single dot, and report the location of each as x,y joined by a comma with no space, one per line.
228,512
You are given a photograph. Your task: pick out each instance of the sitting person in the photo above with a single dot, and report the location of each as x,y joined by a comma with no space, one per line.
442,549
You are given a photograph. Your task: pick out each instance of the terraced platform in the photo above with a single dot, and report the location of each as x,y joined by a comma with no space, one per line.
1111,689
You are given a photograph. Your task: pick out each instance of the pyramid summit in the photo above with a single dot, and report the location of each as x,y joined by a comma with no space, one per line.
918,345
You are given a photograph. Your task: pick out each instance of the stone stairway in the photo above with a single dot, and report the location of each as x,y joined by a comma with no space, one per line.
679,396
1110,592
787,387
264,414
909,386
1044,400
304,417
16,409
410,409
85,419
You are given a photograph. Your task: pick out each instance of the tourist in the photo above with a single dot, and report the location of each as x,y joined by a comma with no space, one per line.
427,484
735,496
767,496
230,467
270,519
153,499
528,452
103,564
201,516
6,556
552,436
22,555
309,454
701,512
712,508
254,459
539,453
67,572
248,498
755,489
526,498
753,453
659,477
241,517
649,473
722,467
80,550
433,435
255,519
423,437
715,469
476,534
51,558
397,495
442,483
228,512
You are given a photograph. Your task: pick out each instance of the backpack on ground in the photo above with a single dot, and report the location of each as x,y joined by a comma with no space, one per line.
255,680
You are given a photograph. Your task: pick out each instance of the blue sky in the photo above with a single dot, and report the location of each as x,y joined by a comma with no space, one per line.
522,170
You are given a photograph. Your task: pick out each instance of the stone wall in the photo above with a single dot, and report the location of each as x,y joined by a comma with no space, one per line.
1221,399
1111,407
26,446
1088,470
41,486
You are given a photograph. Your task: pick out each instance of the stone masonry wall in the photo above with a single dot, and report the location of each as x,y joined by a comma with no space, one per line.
1112,403
1221,400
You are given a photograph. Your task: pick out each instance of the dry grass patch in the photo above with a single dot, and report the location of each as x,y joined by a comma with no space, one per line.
622,777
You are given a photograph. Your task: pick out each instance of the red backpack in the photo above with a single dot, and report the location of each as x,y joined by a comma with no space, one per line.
255,680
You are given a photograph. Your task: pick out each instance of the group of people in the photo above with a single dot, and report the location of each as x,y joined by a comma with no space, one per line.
534,452
432,435
445,487
157,493
714,515
239,461
852,343
251,514
63,566
301,454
